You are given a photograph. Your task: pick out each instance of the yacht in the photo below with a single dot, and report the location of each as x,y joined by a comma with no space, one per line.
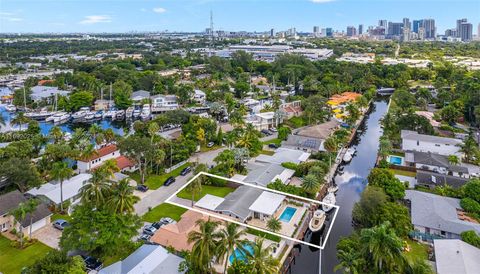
99,114
10,108
332,189
317,221
328,202
62,118
145,115
110,113
129,112
41,115
59,116
119,114
90,115
349,155
79,114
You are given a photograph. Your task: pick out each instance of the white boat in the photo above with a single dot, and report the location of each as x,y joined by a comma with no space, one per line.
10,108
79,114
145,115
136,113
328,202
349,155
62,119
332,189
317,221
90,115
110,113
129,112
39,115
99,114
55,116
67,136
352,151
119,114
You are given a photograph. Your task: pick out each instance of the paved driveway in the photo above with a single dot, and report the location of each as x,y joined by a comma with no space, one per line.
158,196
48,235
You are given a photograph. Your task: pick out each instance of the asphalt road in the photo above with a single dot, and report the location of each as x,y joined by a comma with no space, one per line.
161,194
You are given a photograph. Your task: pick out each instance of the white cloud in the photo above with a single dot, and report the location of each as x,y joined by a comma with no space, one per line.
14,19
321,1
94,19
10,17
159,10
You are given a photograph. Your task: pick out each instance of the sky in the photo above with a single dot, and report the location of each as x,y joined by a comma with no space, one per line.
54,16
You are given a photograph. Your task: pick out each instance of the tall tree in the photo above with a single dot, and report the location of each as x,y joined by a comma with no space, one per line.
205,244
30,207
96,190
20,213
311,184
273,224
232,237
122,199
20,119
61,172
261,257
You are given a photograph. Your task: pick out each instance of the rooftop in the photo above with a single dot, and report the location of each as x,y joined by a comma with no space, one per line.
412,135
456,256
209,202
338,99
103,151
320,131
283,155
146,259
267,203
71,188
435,179
239,201
11,200
434,211
263,174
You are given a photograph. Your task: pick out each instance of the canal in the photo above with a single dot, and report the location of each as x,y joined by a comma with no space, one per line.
351,184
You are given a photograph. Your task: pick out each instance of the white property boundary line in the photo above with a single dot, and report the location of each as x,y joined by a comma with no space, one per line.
218,216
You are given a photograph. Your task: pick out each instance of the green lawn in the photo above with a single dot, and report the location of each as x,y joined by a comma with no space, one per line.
403,172
205,149
163,210
12,260
296,122
57,216
262,234
155,181
219,191
417,250
276,141
267,152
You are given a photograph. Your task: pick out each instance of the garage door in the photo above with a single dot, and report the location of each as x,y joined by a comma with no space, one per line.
39,224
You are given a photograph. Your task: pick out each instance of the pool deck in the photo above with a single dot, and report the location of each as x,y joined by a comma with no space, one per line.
288,228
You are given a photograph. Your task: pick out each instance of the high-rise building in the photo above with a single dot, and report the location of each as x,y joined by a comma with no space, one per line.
360,29
416,24
421,33
406,23
272,32
429,26
406,34
329,32
451,32
382,23
316,29
459,23
478,31
351,31
394,29
466,30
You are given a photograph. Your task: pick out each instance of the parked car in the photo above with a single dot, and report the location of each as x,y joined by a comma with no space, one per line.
60,224
272,145
266,132
145,237
142,188
157,225
167,220
273,129
169,181
149,230
185,171
92,263
210,144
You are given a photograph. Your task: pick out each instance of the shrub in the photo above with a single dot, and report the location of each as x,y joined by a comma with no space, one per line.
290,165
471,237
470,205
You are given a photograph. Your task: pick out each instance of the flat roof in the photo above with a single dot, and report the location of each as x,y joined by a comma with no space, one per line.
456,256
267,203
209,202
71,188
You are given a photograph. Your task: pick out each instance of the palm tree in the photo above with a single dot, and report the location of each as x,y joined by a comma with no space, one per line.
311,184
153,128
56,134
108,168
194,188
331,145
31,206
109,135
122,199
245,141
86,153
19,214
231,238
95,190
385,147
469,148
381,246
453,160
61,172
206,241
20,119
349,261
273,224
261,257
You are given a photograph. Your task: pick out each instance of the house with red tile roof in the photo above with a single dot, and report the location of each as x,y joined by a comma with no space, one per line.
103,154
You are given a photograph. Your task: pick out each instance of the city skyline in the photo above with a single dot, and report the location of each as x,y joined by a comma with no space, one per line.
27,16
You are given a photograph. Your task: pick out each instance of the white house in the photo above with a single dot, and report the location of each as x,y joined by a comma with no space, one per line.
456,256
105,153
413,141
162,103
199,96
265,120
40,93
140,95
50,192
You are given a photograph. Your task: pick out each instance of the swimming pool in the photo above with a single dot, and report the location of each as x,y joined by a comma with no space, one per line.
396,160
287,214
241,255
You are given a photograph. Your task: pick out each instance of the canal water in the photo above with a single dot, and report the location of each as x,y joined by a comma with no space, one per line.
351,184
119,127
